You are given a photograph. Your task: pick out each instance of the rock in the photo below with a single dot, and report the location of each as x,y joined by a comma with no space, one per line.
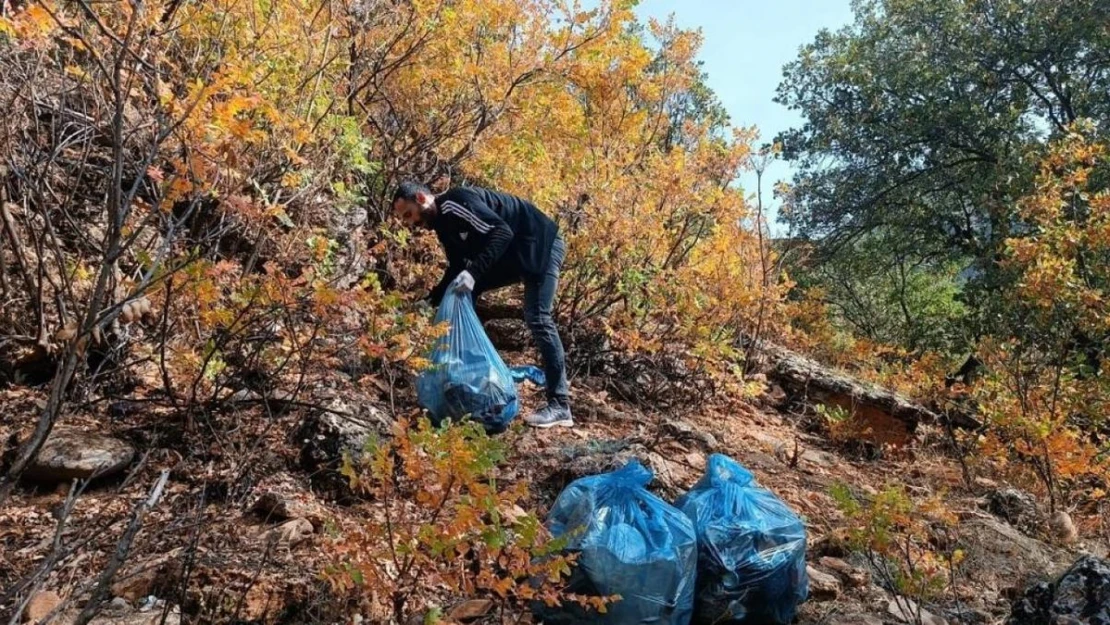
281,498
776,395
971,616
834,544
71,453
696,459
1062,528
40,605
152,617
597,456
327,435
290,533
149,577
1016,507
855,619
907,611
116,612
985,483
822,586
818,457
471,610
855,578
671,476
1080,595
244,395
507,334
998,556
682,431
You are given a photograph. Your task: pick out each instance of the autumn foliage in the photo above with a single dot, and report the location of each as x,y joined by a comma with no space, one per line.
1047,391
260,142
195,214
193,210
436,517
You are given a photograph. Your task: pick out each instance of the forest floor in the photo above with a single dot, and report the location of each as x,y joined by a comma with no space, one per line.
229,536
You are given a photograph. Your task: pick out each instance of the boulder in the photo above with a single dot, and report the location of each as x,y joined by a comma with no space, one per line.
281,498
1016,507
672,469
326,436
70,453
907,611
822,586
999,557
854,577
1080,595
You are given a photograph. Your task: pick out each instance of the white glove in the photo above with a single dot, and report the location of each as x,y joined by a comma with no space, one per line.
464,282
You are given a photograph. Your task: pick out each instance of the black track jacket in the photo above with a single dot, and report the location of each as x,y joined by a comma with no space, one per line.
495,236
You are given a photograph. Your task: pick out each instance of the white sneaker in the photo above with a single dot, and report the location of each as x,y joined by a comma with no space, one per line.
550,416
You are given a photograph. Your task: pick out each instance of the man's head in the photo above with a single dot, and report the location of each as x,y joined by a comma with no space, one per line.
414,205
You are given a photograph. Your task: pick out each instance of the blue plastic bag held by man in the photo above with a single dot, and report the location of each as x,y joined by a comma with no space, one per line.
493,240
751,549
468,378
629,543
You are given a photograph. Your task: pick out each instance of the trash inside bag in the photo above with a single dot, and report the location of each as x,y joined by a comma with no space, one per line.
467,378
629,543
751,549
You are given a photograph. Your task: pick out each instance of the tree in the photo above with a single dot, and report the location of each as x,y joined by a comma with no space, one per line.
879,288
924,119
1046,396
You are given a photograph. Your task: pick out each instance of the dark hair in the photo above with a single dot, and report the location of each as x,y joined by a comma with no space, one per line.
408,191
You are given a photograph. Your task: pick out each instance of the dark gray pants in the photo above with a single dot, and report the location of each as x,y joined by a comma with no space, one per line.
539,298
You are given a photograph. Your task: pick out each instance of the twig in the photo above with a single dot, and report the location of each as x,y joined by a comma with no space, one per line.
122,549
254,581
56,554
796,456
17,247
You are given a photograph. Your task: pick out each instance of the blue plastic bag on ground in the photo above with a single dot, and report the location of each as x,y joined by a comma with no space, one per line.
532,373
751,549
629,543
468,378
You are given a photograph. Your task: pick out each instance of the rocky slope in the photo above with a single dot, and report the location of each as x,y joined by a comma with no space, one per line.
235,534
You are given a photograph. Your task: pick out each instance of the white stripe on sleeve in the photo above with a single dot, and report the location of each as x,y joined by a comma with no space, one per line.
468,215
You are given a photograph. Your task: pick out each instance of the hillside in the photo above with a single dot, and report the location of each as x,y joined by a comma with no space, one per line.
213,279
247,521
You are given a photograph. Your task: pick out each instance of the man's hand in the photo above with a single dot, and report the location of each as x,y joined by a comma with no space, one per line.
463,283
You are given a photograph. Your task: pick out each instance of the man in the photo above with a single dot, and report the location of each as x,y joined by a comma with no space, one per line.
492,240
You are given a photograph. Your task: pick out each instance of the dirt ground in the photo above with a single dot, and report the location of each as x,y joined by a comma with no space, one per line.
210,536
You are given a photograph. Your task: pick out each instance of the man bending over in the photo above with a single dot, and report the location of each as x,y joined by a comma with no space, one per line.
492,240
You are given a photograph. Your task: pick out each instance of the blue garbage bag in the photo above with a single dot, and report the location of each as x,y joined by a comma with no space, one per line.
532,373
629,543
751,549
467,377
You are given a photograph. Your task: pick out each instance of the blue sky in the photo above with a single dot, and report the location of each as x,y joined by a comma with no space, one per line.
745,45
